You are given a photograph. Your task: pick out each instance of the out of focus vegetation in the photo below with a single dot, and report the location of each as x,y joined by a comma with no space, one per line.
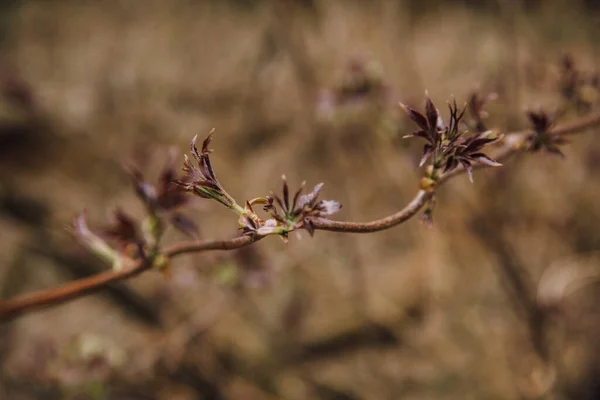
309,89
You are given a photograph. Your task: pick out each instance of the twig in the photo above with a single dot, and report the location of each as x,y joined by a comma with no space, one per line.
81,287
379,224
511,144
72,290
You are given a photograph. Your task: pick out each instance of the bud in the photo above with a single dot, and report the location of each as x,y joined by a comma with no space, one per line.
94,243
427,184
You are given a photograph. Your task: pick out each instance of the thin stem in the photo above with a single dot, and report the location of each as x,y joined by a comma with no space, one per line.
379,224
195,246
511,144
239,210
72,290
81,287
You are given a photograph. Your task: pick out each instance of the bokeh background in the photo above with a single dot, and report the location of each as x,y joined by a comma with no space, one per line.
308,89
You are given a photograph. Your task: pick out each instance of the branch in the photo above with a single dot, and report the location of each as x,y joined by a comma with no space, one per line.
195,246
72,290
388,222
512,143
57,295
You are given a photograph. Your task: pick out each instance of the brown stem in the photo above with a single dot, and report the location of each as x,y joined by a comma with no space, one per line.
10,309
57,295
204,245
69,291
379,224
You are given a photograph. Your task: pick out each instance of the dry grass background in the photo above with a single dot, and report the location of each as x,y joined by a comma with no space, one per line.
408,313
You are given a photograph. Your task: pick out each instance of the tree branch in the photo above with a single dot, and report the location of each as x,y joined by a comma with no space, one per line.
72,290
379,224
81,287
512,143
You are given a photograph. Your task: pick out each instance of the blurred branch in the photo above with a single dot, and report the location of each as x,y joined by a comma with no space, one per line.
518,284
511,144
54,296
81,266
521,287
363,337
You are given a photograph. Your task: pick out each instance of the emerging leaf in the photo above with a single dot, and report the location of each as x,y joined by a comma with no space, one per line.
299,213
201,179
448,145
542,138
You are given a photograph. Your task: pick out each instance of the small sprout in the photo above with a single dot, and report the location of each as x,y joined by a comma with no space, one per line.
429,127
129,243
448,144
249,222
170,195
144,190
467,152
165,197
542,138
201,179
125,233
95,243
248,225
298,212
184,224
135,240
427,184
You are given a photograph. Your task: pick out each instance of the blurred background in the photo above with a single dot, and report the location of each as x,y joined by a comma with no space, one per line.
308,89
